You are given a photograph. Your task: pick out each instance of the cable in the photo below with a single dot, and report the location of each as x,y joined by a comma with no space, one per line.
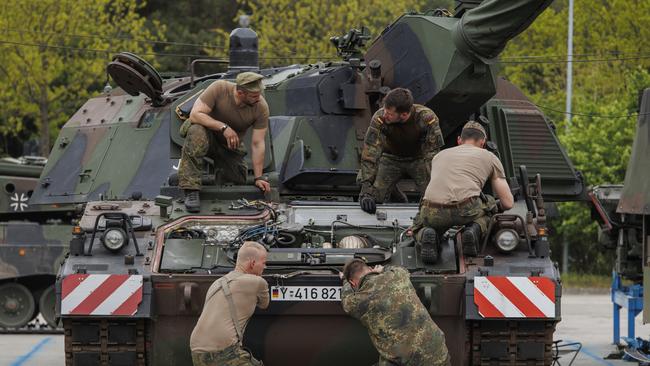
591,115
574,55
94,50
97,36
646,56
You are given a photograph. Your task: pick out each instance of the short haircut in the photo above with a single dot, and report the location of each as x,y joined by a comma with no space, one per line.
250,250
399,98
353,267
471,134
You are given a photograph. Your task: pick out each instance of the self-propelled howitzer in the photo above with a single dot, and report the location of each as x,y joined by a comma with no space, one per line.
135,281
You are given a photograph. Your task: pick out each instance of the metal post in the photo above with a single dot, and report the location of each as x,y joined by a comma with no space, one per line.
569,94
569,66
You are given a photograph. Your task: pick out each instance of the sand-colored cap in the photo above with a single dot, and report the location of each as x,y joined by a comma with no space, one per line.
250,81
476,126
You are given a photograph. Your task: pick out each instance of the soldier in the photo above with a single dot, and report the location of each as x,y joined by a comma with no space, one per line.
401,140
219,119
399,326
229,304
453,196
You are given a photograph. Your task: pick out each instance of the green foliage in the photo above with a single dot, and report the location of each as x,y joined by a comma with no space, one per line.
54,54
605,91
193,29
577,280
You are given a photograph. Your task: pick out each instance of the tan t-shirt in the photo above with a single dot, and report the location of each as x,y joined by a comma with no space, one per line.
460,172
214,330
220,96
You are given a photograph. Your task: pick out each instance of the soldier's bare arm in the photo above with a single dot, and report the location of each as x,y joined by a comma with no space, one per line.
200,114
502,190
257,156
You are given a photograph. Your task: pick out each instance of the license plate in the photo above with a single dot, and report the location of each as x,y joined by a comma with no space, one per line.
306,293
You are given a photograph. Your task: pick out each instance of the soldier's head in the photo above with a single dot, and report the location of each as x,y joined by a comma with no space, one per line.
473,133
397,105
251,258
354,270
249,87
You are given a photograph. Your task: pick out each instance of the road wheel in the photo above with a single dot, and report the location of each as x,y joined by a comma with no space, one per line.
46,304
17,305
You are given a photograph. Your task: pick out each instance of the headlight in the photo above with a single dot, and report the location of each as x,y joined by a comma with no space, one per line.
507,240
114,239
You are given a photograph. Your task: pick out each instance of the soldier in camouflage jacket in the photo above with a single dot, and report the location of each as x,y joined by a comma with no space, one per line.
399,326
401,140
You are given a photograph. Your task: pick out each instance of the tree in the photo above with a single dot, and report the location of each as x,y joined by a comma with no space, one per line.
53,57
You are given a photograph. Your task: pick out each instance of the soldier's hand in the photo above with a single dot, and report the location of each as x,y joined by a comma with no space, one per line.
368,204
378,268
263,185
232,139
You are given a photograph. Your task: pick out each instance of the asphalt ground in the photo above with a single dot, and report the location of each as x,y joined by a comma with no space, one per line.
586,319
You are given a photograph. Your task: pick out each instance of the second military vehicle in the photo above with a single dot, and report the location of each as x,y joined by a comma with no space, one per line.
33,242
138,271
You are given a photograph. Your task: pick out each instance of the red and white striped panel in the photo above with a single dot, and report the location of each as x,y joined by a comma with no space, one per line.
514,297
101,294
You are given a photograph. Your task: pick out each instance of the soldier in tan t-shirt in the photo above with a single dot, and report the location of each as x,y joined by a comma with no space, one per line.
218,122
217,337
453,194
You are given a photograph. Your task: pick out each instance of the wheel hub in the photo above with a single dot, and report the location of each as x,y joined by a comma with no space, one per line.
11,305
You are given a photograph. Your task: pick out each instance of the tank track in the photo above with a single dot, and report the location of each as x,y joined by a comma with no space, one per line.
104,342
511,343
34,327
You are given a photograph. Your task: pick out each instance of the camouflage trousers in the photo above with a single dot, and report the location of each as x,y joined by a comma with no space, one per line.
441,219
440,358
390,170
418,362
231,356
201,142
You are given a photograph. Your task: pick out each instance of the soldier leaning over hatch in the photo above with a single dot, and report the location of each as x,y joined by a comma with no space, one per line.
454,194
217,124
402,139
399,326
229,304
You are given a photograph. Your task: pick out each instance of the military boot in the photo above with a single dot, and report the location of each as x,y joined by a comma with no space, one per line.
471,238
192,201
429,244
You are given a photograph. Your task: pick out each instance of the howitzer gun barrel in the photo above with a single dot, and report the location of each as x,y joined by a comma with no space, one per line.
485,30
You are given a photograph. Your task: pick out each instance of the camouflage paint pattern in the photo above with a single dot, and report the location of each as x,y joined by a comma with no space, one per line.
111,147
398,324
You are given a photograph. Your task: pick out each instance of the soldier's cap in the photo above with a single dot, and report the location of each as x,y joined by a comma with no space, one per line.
250,81
475,126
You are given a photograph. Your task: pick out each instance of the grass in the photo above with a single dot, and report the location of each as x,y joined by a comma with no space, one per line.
581,280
